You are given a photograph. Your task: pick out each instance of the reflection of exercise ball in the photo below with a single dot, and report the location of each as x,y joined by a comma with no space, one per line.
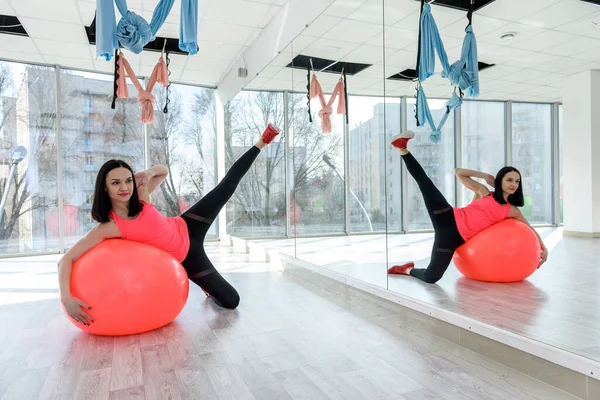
131,287
183,206
69,217
505,252
295,212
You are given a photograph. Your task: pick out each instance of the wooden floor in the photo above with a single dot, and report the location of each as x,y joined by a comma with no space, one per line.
288,340
558,305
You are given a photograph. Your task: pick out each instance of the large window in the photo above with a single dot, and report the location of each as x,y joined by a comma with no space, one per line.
28,173
318,171
257,208
93,133
532,156
482,141
184,139
371,159
436,159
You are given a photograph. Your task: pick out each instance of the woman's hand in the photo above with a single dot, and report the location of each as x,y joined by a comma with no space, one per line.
544,256
73,307
142,178
490,180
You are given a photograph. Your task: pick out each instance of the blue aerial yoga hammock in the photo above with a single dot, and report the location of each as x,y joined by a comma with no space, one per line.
133,32
463,74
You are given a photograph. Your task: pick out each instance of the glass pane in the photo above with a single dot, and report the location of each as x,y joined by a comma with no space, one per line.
532,156
483,131
184,139
93,133
318,180
436,159
257,208
28,172
370,158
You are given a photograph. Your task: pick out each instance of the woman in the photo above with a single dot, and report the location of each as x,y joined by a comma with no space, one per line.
125,212
454,226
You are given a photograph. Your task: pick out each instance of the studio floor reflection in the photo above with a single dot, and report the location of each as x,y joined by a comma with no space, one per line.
558,305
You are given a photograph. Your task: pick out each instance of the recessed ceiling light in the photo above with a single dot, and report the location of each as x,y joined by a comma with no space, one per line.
508,36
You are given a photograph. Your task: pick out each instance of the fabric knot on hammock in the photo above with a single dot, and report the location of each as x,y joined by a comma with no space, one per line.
147,100
325,115
133,32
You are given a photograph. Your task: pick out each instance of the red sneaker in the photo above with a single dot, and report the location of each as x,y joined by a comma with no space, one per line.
400,141
271,131
401,269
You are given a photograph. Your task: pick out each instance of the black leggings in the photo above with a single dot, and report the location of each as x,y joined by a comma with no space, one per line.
199,218
447,238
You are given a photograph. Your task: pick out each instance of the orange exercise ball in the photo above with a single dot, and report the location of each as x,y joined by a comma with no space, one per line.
508,251
131,287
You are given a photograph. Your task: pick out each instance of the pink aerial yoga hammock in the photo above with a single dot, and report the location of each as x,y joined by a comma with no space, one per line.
145,96
326,109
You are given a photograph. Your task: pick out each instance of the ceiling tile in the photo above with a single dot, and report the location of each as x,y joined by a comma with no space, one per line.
514,10
365,54
301,43
321,25
523,32
343,8
370,11
589,25
63,49
257,83
22,57
396,11
405,59
550,78
269,71
332,49
559,13
45,9
481,25
87,11
224,33
565,65
51,30
575,47
68,62
374,71
531,60
5,8
544,40
216,50
354,31
237,12
502,55
20,43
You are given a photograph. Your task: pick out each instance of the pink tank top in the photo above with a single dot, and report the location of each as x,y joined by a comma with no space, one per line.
479,215
169,234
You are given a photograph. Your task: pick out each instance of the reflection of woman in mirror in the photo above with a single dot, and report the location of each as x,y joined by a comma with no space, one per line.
453,226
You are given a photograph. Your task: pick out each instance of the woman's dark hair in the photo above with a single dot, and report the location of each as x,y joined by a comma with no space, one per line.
516,199
102,205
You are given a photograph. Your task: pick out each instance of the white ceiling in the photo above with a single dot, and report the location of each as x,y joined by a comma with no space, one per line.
57,35
554,38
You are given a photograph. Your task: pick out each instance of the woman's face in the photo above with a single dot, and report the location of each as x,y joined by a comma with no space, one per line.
119,184
511,182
